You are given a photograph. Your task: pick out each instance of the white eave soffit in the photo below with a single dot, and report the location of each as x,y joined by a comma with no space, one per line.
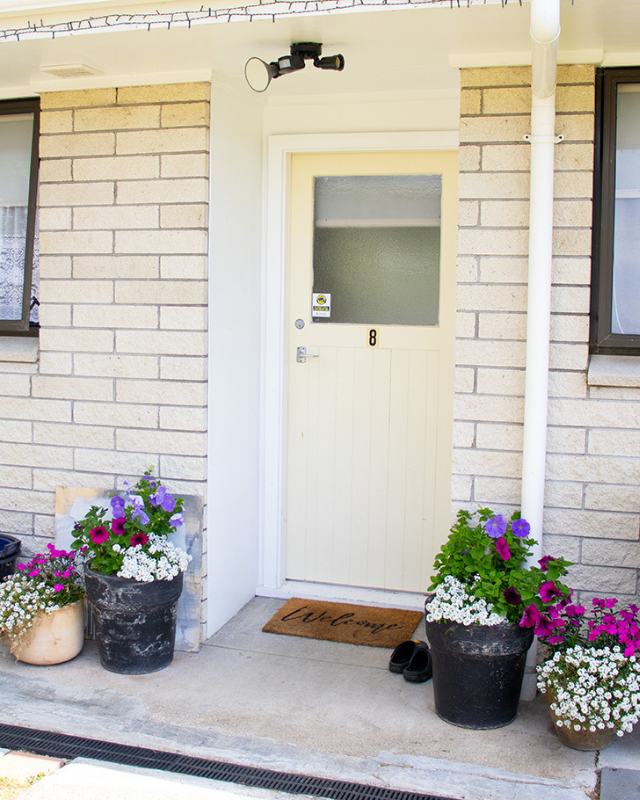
52,19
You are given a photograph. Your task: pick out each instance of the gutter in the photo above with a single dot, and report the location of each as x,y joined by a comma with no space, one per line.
545,31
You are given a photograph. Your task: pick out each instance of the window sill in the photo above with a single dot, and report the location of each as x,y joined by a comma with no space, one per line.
17,350
614,371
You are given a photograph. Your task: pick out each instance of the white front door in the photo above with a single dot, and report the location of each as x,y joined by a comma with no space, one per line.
372,283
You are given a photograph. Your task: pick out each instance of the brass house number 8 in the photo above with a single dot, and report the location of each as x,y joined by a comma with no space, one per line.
373,337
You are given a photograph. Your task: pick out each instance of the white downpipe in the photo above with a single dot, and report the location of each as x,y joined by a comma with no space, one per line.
545,30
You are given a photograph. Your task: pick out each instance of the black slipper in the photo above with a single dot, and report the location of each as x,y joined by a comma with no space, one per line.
419,668
402,655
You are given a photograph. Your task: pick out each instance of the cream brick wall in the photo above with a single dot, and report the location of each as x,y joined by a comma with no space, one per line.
120,384
592,500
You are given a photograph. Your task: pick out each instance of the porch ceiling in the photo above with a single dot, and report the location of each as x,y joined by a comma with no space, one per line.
391,50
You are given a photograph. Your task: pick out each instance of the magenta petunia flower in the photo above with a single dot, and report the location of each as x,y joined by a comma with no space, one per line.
512,596
58,587
34,572
99,534
610,602
544,626
117,526
520,528
496,526
20,567
503,548
139,538
545,561
549,591
530,617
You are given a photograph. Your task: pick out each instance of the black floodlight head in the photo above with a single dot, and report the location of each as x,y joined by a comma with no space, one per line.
259,74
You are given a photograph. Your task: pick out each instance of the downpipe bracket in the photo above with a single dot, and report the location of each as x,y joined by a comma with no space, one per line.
529,137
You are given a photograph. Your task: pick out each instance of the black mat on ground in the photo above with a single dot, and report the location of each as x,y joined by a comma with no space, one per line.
61,745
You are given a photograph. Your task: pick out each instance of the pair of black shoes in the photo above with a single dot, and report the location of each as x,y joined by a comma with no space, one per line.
413,660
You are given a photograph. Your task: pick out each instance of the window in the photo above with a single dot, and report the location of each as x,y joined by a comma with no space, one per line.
615,287
19,126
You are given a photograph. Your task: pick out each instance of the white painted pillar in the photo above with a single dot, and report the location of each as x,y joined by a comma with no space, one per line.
545,30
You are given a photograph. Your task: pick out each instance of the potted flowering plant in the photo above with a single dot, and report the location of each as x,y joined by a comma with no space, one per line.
133,575
42,609
480,618
592,674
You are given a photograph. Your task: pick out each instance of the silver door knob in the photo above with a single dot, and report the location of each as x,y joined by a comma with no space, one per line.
302,355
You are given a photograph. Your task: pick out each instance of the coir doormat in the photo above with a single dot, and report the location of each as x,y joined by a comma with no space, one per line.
342,622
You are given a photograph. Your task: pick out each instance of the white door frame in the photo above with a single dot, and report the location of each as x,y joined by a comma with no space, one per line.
274,303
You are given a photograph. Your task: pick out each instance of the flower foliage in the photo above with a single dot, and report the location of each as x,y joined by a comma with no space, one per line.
488,561
46,583
130,538
593,688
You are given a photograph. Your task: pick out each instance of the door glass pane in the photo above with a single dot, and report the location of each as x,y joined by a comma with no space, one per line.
376,249
16,133
625,300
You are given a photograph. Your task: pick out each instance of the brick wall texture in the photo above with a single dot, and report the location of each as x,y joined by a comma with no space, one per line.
120,384
592,501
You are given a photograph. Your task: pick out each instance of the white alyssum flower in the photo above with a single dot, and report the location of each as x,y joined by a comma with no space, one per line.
159,561
21,600
454,603
593,688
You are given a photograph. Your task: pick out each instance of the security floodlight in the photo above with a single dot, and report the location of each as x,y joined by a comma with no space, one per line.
259,74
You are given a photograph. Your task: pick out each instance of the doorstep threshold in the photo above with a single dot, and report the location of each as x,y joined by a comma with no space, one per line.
62,745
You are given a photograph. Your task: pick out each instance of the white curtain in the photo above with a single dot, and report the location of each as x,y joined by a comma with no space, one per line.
13,237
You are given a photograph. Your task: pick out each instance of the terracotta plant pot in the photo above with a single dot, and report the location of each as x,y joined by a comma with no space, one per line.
53,638
578,740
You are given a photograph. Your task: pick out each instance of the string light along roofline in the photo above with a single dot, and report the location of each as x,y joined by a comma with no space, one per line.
204,16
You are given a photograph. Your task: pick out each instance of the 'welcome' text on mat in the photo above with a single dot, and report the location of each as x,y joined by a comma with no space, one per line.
342,622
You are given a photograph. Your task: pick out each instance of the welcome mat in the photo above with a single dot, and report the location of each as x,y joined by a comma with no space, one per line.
342,622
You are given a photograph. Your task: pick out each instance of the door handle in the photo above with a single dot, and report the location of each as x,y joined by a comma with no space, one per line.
302,355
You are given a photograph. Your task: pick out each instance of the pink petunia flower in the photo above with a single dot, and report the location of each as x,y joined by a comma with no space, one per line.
58,587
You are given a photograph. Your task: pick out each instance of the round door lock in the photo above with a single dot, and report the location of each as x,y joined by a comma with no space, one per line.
299,324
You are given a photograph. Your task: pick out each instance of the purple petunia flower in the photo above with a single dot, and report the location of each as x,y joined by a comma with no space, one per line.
545,561
140,514
549,591
503,548
512,596
163,499
520,528
117,526
530,617
99,534
496,526
136,501
177,520
139,538
117,506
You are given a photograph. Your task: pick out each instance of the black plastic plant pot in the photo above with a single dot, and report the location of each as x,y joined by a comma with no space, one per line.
9,552
477,672
135,621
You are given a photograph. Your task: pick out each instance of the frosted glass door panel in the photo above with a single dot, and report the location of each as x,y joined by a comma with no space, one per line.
376,248
625,301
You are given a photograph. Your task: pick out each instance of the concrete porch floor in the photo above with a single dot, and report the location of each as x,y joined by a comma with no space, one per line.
307,706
